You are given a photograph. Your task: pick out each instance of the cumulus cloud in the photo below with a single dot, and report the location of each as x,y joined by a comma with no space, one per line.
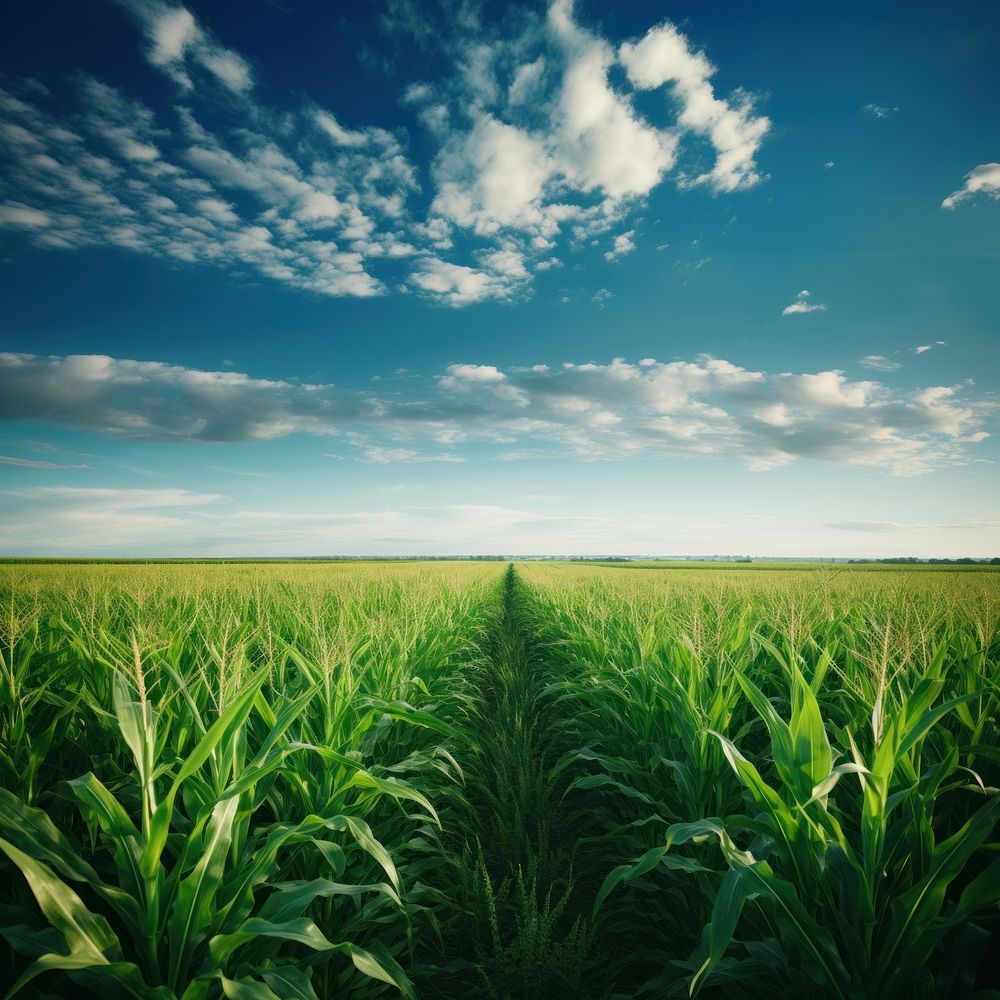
802,304
536,141
500,276
622,244
708,407
879,363
664,57
982,180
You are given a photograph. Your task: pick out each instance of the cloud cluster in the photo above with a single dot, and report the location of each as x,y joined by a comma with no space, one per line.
537,136
301,210
536,140
982,180
707,408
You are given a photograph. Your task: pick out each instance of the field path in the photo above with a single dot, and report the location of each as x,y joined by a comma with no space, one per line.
522,938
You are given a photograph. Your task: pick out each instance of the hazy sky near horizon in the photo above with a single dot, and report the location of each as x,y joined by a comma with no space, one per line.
289,278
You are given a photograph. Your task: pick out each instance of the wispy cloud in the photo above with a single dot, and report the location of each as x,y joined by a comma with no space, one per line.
155,522
380,455
880,110
802,304
708,407
159,523
32,463
893,526
879,363
535,142
924,348
982,180
77,520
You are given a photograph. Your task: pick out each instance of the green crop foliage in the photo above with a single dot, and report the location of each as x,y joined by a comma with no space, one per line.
797,773
450,780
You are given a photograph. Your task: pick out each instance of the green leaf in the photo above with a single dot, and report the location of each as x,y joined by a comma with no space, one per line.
726,910
291,899
192,912
290,983
87,934
300,930
377,963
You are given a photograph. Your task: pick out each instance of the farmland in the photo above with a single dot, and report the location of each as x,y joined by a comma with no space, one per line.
458,779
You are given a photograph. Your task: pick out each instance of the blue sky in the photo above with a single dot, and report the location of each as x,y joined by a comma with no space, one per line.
454,277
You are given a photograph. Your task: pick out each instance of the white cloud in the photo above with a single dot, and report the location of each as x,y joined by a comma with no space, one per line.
473,373
803,305
340,135
458,285
622,244
709,407
602,143
829,165
379,455
493,178
180,46
244,199
880,110
538,146
879,363
577,155
924,348
982,180
664,56
527,81
22,217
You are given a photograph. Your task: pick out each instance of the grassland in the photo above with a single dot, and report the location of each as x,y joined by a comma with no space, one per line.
452,780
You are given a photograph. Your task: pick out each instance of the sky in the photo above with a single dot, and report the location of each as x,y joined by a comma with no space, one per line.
458,277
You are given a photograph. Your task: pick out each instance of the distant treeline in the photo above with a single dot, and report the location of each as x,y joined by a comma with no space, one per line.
915,561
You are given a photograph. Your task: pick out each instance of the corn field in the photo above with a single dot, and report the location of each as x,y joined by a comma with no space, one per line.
452,780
